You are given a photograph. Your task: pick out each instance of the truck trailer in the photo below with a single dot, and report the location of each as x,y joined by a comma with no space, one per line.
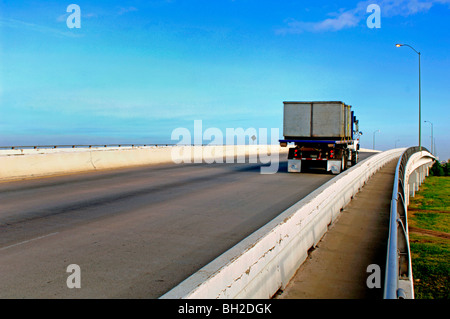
325,135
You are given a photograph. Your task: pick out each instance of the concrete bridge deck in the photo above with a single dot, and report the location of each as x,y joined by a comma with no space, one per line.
337,267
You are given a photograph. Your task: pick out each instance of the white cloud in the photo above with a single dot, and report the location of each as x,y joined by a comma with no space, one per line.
126,10
352,17
344,20
17,24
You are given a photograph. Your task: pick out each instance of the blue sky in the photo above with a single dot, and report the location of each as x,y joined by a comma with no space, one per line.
136,70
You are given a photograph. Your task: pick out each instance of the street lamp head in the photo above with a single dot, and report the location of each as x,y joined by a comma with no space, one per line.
398,45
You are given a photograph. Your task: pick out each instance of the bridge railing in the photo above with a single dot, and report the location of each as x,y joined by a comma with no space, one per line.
18,147
412,167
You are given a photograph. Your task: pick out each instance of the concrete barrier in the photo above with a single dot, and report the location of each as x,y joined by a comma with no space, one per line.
264,262
369,150
22,164
417,168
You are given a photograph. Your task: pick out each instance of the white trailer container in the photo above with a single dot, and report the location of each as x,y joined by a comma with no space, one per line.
323,134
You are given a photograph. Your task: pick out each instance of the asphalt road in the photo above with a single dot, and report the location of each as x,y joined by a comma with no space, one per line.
135,232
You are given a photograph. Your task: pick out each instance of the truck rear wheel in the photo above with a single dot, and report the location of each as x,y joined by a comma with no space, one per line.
345,158
354,158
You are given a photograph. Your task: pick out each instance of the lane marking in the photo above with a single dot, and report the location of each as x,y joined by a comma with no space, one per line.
27,241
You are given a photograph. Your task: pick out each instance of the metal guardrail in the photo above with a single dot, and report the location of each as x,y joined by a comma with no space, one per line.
398,262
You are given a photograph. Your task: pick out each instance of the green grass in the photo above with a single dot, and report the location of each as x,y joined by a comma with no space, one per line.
430,210
431,270
430,220
434,195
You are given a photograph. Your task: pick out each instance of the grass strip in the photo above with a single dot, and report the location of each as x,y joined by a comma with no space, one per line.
429,221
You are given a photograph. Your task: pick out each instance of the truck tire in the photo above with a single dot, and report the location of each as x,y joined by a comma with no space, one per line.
345,156
354,158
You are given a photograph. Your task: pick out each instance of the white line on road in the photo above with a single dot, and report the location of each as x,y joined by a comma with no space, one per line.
27,241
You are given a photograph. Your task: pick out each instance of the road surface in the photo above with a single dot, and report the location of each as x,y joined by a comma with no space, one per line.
134,232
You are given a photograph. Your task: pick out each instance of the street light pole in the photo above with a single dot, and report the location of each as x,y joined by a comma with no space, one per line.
420,111
420,98
434,148
374,138
432,130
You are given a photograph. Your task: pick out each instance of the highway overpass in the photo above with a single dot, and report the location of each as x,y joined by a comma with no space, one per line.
139,232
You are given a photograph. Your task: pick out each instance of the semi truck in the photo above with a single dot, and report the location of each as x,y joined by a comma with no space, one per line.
325,135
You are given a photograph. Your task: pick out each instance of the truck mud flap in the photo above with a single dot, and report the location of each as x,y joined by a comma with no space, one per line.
334,166
294,166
